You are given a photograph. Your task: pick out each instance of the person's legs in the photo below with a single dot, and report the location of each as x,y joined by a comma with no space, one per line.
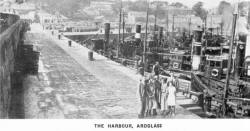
159,98
149,107
163,105
143,107
169,111
173,110
154,107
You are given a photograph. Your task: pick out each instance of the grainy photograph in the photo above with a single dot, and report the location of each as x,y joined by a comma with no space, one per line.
124,59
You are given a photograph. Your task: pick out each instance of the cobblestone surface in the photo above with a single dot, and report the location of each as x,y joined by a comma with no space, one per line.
66,90
70,86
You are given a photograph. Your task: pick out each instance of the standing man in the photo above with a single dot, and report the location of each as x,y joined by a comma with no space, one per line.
158,85
156,69
142,91
152,105
141,67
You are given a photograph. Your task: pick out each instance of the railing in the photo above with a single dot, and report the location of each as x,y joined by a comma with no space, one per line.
236,107
126,62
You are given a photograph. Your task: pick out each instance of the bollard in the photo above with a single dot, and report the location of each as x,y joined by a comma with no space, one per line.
124,62
52,32
59,37
106,36
69,42
90,54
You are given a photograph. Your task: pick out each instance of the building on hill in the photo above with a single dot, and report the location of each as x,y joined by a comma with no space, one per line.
102,5
182,22
133,16
172,10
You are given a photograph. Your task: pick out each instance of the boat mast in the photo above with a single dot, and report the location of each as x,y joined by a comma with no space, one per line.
123,26
155,22
235,14
248,18
146,37
189,26
119,33
173,26
167,22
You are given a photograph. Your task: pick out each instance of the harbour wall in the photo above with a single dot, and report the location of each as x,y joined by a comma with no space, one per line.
12,32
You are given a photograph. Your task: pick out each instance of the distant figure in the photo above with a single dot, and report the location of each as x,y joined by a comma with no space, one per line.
176,83
141,67
156,69
173,79
171,100
164,96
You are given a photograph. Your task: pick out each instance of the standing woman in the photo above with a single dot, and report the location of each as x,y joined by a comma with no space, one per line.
164,96
171,98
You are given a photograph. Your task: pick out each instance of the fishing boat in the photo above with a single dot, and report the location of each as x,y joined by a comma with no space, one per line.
220,70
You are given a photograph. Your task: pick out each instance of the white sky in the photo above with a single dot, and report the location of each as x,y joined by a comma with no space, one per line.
207,3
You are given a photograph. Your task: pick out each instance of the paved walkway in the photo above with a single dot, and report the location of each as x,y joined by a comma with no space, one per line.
71,86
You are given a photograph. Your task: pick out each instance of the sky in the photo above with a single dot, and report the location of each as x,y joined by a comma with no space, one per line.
208,4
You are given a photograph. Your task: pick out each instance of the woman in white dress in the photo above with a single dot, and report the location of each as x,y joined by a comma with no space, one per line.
171,98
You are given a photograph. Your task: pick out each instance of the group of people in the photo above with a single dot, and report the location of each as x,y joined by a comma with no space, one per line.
157,93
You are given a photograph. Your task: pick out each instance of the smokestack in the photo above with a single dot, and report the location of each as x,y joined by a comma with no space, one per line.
106,35
198,35
138,32
160,33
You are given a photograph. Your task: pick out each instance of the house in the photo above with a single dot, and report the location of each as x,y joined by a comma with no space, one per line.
134,16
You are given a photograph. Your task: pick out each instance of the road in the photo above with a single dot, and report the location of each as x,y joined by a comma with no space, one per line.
68,85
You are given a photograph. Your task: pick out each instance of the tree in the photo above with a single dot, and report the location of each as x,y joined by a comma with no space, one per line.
65,7
138,6
177,4
223,6
116,7
199,10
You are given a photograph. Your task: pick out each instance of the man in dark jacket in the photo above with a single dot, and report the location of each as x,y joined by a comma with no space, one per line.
156,69
157,84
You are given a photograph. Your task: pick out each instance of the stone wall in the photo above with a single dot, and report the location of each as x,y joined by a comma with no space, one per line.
7,20
10,40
